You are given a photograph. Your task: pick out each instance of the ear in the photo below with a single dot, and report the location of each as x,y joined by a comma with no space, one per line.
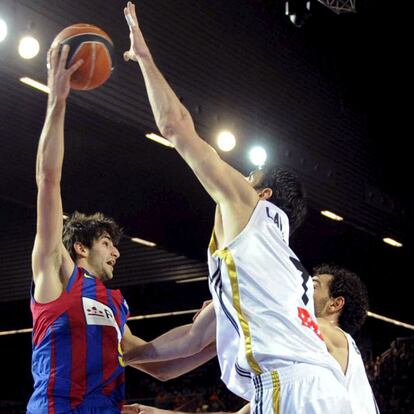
337,304
81,250
265,194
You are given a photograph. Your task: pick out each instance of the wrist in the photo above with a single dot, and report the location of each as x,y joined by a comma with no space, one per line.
55,104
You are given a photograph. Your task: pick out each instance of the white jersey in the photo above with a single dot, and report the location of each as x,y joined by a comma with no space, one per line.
263,299
356,381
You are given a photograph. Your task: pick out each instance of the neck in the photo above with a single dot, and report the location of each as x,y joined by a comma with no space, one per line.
332,319
83,263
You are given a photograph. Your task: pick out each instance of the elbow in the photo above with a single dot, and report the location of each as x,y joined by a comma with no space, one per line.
163,377
174,124
48,178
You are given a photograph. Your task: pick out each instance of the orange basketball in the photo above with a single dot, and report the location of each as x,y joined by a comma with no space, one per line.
95,47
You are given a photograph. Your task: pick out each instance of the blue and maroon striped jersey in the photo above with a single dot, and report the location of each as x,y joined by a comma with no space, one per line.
77,355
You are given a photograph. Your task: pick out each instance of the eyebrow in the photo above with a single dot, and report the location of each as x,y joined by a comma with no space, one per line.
316,280
106,236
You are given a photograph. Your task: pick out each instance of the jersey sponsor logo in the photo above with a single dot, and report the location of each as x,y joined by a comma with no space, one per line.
307,321
96,313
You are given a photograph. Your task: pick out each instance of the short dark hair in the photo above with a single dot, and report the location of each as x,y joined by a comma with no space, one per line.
84,228
287,194
348,285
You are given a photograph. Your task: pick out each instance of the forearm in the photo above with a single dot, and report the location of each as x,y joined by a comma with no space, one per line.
168,111
176,343
166,370
51,144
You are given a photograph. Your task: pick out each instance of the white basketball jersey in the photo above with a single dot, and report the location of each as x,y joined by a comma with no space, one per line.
263,299
356,381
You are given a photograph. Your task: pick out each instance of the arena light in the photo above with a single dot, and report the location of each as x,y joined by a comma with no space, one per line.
258,156
28,47
331,215
159,139
226,141
35,84
191,280
392,242
3,30
390,320
143,242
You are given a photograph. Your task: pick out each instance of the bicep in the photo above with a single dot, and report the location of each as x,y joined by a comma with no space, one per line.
204,327
130,341
49,224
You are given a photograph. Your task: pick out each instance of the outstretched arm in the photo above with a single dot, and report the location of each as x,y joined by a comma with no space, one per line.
224,184
166,370
50,261
180,342
145,409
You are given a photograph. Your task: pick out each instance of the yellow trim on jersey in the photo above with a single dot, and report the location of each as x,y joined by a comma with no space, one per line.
120,355
276,392
213,244
225,254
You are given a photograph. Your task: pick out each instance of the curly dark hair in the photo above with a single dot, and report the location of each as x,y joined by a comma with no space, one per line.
288,194
84,228
348,285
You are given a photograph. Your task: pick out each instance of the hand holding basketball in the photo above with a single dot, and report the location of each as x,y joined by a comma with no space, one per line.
139,48
94,47
58,76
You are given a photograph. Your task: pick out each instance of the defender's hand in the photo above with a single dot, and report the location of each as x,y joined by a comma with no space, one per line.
138,48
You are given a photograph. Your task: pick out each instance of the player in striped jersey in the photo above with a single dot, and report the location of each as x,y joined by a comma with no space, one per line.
79,326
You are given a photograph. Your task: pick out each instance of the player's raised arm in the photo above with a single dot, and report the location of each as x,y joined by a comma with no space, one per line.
50,262
222,182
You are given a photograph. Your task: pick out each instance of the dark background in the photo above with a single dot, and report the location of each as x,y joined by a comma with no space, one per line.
329,100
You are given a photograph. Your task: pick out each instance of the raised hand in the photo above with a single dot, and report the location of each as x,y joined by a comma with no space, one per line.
138,48
58,79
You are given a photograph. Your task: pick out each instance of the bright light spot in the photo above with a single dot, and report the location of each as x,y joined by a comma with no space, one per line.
159,139
331,215
28,47
226,141
142,241
3,30
258,156
193,279
35,84
391,242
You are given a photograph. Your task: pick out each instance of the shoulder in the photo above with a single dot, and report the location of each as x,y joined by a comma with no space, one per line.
332,334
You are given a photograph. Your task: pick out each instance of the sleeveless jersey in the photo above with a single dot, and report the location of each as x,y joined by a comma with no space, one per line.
356,381
263,299
77,355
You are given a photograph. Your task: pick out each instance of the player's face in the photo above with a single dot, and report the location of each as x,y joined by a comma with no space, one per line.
321,295
102,257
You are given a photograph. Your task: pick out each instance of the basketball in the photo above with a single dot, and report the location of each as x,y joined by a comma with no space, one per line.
95,47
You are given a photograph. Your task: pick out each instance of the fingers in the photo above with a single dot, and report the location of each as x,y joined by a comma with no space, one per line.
130,16
63,57
52,57
75,67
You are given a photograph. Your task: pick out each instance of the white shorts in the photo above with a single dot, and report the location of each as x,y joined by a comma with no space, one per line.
299,389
